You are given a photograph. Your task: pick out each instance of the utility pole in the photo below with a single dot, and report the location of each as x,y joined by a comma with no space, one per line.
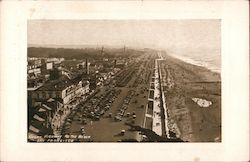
87,66
124,49
102,51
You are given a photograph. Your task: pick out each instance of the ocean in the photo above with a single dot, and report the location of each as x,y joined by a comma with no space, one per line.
208,58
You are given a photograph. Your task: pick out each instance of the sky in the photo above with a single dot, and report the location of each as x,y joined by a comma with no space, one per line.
164,34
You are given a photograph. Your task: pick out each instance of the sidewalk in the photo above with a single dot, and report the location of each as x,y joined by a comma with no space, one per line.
58,120
157,125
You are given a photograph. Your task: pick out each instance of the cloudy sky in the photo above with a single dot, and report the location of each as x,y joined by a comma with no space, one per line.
133,33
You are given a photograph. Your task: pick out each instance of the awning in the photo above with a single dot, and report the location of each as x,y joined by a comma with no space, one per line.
50,100
38,118
32,128
41,110
48,108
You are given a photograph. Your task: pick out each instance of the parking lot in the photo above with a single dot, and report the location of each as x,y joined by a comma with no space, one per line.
104,116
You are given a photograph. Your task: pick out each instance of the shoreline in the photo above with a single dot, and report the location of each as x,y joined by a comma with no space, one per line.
204,64
184,81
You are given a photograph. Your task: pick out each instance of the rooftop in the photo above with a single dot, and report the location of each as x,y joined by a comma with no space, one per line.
59,84
54,85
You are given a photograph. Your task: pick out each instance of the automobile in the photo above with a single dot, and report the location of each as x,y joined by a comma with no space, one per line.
82,130
128,114
144,137
106,108
75,118
96,117
123,132
102,112
118,118
134,116
97,114
118,114
90,115
122,113
67,123
124,107
84,121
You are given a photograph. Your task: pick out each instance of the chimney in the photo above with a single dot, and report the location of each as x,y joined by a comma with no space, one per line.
87,66
102,51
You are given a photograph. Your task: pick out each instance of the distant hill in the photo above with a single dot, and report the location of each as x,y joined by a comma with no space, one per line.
71,46
81,53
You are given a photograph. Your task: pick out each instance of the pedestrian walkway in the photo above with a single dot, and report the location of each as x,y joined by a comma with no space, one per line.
159,108
59,118
157,124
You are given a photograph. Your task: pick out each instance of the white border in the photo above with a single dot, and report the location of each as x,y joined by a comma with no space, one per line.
235,123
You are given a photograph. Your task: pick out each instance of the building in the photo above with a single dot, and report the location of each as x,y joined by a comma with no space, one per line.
34,67
41,116
63,89
46,66
80,66
120,63
55,60
49,65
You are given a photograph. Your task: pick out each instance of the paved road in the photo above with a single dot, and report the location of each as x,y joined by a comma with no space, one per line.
108,130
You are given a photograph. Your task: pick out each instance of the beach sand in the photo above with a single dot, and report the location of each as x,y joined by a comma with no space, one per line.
182,82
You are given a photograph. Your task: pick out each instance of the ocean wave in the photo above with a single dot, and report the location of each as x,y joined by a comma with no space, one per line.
211,63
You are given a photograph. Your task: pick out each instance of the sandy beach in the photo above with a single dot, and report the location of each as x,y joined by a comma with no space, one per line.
184,82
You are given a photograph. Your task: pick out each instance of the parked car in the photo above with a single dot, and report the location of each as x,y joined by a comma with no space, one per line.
123,132
118,118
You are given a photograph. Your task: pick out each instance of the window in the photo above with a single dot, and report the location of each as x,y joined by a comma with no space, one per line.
39,95
50,95
57,94
54,94
44,94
